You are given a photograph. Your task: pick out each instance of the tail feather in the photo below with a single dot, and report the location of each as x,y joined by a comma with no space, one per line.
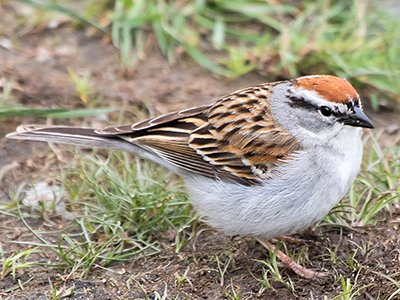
85,137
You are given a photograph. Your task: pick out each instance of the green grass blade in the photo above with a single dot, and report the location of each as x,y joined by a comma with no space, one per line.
63,10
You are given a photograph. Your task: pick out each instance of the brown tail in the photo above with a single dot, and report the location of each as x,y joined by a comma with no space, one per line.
85,137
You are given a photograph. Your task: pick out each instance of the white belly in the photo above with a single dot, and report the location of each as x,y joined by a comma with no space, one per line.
303,192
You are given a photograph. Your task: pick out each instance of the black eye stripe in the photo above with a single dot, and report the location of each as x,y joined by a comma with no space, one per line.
300,103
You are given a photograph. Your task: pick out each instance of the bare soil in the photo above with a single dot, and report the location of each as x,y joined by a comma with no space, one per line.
38,66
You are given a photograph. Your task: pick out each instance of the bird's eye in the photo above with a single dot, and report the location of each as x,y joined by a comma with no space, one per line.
325,111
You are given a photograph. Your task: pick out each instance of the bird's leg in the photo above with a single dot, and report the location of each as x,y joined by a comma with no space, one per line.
290,263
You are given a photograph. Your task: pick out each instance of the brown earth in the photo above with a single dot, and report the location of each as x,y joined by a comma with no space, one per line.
37,67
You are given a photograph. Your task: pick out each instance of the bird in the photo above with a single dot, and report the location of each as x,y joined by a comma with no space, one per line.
263,161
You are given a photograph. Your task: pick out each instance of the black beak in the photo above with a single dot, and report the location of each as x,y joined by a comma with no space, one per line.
358,119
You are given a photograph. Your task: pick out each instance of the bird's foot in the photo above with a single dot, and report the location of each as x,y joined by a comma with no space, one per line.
290,263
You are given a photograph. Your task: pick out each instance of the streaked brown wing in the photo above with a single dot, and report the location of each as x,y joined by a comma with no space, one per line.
241,136
235,139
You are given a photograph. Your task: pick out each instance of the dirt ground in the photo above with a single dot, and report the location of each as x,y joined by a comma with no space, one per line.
38,66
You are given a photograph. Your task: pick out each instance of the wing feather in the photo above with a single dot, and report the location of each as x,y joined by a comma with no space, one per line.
235,139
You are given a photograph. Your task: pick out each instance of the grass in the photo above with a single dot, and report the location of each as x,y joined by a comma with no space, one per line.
15,262
62,292
350,290
222,267
10,110
84,90
394,282
118,186
352,39
272,272
232,294
155,295
123,210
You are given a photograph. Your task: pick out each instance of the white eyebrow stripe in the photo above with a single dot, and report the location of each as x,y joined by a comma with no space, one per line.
313,98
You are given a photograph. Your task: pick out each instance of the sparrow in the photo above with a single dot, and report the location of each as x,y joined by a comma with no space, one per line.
263,161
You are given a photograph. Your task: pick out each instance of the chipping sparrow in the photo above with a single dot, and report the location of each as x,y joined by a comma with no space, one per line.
263,161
